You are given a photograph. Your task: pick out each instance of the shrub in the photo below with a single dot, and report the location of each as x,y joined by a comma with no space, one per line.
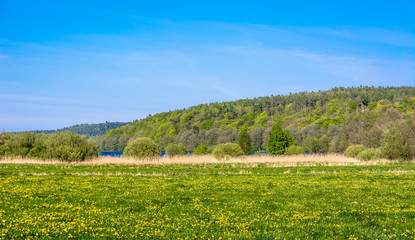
320,144
22,143
395,146
369,154
69,146
353,150
201,149
210,149
173,149
378,153
39,151
227,150
39,148
142,148
5,143
294,150
218,153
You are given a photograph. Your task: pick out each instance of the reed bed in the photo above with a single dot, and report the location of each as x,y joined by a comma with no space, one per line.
269,160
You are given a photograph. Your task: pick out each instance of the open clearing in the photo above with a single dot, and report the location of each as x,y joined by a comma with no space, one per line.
237,199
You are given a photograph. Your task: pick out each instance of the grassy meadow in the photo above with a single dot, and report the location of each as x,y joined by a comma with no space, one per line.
303,197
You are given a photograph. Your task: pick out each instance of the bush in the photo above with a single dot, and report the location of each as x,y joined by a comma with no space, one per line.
69,146
227,150
210,149
294,150
22,143
142,148
369,154
5,144
395,146
218,153
173,149
39,151
201,149
39,148
354,150
320,144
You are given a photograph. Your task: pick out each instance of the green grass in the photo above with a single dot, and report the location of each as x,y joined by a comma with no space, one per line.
210,201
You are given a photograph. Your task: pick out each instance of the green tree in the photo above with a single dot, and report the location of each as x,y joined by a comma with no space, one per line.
364,99
69,146
395,146
391,95
201,149
245,141
370,154
353,150
227,150
23,142
173,149
6,144
294,150
142,148
279,140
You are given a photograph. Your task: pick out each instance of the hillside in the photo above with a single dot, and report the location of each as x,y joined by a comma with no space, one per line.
319,121
90,130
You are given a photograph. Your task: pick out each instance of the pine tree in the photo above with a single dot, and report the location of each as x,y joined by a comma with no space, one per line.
279,140
245,141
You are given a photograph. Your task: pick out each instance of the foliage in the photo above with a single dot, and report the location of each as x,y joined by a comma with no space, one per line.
324,121
90,130
319,144
369,154
112,143
353,150
279,140
201,149
69,146
22,143
227,150
245,141
65,146
396,146
5,140
142,148
294,150
218,153
175,149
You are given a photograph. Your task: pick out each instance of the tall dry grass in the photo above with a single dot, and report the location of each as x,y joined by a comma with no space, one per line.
282,161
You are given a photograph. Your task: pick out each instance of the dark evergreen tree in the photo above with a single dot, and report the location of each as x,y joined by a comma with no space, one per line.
279,140
245,141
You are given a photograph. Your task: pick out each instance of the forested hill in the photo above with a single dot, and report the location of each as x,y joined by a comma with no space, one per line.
90,130
319,121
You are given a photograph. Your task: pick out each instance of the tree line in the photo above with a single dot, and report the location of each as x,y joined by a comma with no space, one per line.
397,142
67,146
89,130
381,120
321,122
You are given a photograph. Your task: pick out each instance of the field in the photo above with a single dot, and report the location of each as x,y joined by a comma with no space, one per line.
326,197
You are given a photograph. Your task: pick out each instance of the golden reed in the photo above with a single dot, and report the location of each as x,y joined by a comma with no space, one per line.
275,161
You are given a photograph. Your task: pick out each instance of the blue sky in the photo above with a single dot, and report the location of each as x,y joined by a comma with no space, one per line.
70,62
